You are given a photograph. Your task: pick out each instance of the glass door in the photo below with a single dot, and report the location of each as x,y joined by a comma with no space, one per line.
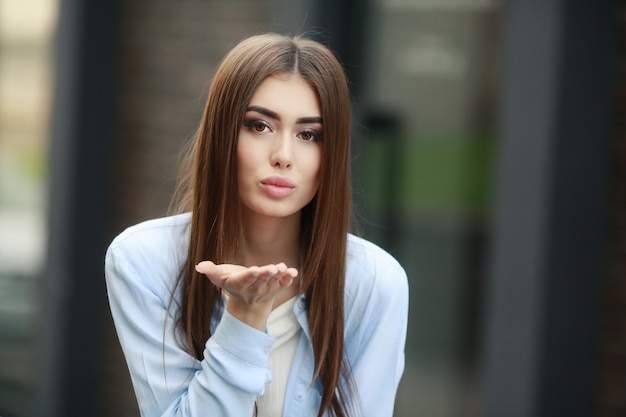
423,167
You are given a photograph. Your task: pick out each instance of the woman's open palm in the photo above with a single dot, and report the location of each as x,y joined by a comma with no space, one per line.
250,284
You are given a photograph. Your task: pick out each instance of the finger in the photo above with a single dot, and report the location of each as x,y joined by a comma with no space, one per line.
286,280
282,280
267,271
212,272
246,276
273,275
206,267
221,275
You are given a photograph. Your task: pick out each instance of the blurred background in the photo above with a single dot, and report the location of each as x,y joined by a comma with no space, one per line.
489,158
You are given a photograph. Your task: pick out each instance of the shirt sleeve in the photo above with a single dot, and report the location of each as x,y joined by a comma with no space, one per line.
166,379
378,357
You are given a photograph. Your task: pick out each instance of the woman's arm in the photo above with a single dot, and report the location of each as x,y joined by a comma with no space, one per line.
166,379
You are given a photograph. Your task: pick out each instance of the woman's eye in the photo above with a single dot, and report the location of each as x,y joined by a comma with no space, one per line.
310,136
257,126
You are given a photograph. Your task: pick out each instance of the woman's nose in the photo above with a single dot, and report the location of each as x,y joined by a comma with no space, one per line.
282,152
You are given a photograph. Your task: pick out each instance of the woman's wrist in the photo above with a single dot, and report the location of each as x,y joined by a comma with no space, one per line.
253,314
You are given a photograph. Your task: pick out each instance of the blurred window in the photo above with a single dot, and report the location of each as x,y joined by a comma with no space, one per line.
26,35
423,174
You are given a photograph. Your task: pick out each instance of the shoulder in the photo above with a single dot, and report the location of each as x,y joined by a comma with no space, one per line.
151,252
156,235
370,269
146,231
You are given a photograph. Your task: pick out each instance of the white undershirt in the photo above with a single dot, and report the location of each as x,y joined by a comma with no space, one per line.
283,326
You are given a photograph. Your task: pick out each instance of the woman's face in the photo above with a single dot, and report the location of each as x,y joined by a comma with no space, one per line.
279,148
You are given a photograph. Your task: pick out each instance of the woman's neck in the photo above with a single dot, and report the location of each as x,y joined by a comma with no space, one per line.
271,240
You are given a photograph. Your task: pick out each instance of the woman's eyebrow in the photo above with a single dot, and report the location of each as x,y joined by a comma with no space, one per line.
308,120
276,116
264,111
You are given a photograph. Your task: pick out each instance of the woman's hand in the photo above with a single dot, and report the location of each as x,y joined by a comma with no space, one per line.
251,290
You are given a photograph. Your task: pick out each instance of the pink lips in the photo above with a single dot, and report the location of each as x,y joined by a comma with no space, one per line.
278,186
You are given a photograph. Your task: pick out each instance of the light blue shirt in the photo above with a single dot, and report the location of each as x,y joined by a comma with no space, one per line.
142,265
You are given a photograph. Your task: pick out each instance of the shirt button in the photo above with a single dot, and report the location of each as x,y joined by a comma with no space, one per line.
301,305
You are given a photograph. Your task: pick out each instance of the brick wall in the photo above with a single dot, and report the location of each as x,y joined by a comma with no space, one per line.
168,51
612,366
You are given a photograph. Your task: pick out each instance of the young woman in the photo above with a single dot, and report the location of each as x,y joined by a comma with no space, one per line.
256,300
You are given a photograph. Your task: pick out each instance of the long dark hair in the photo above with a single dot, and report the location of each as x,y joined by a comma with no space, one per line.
208,188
